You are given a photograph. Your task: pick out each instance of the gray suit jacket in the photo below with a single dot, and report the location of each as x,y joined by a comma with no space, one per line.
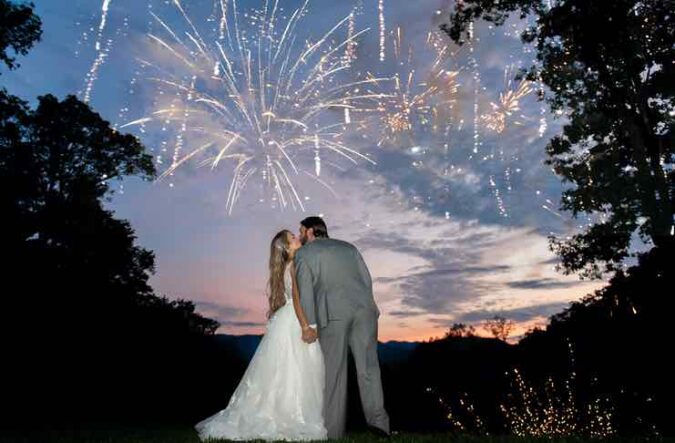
333,281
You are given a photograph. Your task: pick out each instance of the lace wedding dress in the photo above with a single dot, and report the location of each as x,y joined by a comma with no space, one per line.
280,396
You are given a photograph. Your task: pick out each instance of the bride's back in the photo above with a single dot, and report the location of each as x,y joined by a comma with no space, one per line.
288,283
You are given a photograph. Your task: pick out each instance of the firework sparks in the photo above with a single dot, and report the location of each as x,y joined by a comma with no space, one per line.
508,104
475,73
101,52
497,193
255,97
546,412
543,123
417,98
350,49
383,31
541,410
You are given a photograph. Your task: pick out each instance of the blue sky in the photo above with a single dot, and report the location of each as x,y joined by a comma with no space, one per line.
451,235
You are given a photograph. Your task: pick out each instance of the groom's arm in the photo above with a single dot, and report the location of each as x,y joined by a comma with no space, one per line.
305,287
365,275
363,270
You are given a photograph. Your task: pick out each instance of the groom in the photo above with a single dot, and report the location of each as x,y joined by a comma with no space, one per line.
336,293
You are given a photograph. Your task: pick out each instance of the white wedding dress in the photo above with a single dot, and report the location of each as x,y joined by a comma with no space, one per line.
280,396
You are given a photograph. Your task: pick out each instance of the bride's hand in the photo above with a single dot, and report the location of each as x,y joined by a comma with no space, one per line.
309,334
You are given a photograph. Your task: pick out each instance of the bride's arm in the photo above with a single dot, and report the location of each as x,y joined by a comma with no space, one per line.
299,312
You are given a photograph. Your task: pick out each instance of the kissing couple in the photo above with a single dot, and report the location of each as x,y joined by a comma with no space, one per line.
320,305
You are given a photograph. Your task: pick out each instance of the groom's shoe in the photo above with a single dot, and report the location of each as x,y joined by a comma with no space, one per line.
379,432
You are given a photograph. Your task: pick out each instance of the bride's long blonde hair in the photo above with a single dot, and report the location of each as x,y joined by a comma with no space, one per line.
280,255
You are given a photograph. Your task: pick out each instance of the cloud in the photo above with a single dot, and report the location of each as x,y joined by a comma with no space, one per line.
405,314
222,313
227,315
541,284
434,271
242,324
519,315
444,272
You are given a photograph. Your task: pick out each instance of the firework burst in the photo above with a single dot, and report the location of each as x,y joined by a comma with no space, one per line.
255,95
417,98
508,105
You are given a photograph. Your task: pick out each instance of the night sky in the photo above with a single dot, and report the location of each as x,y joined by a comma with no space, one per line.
452,226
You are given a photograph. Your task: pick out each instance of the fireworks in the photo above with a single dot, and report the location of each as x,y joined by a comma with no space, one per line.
415,98
101,52
258,95
255,97
383,30
350,49
508,104
475,71
548,413
543,124
545,411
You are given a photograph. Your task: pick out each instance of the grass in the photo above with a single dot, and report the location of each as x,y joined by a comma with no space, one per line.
188,435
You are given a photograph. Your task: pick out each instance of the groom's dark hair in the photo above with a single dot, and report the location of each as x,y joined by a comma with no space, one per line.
317,225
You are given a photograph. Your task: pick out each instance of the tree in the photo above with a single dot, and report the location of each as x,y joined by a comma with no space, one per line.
460,330
609,67
618,335
55,165
499,327
76,283
56,159
76,295
20,28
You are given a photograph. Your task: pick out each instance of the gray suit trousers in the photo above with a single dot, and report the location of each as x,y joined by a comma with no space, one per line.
358,333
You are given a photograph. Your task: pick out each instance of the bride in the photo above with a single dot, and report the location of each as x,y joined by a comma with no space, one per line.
280,396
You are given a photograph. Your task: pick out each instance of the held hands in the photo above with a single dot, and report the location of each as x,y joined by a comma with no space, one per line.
309,334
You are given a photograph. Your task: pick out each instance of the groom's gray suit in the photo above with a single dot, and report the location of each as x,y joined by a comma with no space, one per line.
336,293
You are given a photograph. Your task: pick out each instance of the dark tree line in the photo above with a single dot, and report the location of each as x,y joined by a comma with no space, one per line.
19,30
614,344
608,66
84,335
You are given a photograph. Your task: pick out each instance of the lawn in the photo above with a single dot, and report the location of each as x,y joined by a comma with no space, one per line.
187,435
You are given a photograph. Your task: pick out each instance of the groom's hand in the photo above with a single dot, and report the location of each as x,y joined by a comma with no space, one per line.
309,335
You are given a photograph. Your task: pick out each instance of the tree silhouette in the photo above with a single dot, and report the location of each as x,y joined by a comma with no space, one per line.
620,335
499,327
55,164
57,159
79,317
608,66
460,330
20,28
77,271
